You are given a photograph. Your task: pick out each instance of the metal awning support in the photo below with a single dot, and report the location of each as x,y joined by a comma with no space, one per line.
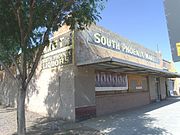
120,65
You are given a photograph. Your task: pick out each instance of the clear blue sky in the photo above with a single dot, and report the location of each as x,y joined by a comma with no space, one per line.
141,21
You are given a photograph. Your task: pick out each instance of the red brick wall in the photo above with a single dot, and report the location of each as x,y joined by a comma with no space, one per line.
83,113
116,102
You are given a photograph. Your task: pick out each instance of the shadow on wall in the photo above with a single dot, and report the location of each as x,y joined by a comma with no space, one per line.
32,88
8,91
59,100
53,99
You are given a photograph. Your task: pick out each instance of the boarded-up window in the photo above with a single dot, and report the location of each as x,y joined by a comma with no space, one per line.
137,83
110,81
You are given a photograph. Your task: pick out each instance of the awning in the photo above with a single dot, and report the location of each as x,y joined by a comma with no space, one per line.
119,65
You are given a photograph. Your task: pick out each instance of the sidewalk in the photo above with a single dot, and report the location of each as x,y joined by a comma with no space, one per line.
162,118
38,125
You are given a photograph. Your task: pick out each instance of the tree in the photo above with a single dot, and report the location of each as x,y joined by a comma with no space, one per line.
25,28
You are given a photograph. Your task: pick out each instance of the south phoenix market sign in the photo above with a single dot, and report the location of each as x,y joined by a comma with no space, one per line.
120,46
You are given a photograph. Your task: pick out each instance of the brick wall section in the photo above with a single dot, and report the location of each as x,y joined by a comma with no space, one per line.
106,104
83,113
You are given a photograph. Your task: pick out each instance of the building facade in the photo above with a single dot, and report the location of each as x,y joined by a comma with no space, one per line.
95,72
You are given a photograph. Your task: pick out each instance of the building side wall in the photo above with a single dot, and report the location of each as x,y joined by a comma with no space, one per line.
53,95
51,91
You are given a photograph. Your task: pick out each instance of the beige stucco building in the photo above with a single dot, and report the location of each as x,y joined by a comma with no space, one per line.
95,72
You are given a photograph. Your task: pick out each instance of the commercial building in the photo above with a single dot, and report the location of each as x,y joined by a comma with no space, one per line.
95,72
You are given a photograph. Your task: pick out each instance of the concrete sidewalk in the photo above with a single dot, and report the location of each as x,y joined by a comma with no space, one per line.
161,118
39,125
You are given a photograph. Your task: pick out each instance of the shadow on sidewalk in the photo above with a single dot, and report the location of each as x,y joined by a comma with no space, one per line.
6,109
131,122
47,126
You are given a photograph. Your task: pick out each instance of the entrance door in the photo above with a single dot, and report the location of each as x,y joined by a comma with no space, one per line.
171,87
157,87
